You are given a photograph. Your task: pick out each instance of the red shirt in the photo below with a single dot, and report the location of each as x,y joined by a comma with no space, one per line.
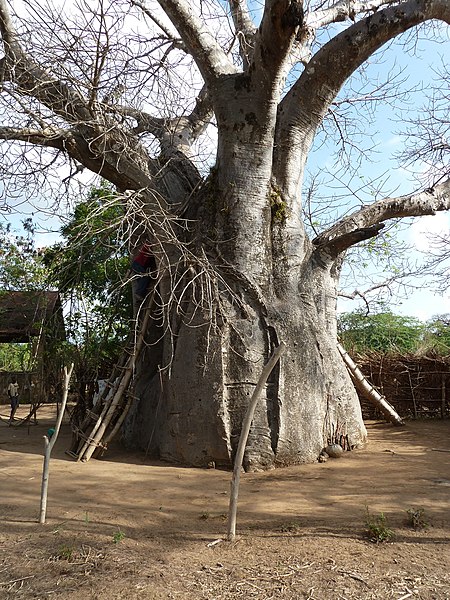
144,257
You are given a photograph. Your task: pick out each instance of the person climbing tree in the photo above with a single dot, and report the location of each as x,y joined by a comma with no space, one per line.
143,266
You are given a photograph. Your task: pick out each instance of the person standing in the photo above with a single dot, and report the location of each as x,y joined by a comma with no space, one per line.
13,393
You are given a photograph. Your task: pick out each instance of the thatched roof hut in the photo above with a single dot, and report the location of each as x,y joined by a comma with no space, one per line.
25,315
33,317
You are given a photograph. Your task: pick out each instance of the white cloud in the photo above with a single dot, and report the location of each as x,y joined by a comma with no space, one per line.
396,140
425,229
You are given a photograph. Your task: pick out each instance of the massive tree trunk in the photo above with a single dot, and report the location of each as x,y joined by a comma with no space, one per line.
212,360
211,371
236,270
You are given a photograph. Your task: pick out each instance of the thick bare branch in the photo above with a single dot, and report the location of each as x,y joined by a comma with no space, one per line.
187,127
241,18
179,132
145,122
244,27
304,107
202,114
33,80
368,221
343,10
341,243
49,138
200,42
280,24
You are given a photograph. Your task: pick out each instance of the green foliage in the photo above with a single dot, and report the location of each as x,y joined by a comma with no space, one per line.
377,528
118,536
21,266
382,332
15,357
290,527
437,336
65,553
278,206
386,332
90,266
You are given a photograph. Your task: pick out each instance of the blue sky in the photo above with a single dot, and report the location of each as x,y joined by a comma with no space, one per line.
418,64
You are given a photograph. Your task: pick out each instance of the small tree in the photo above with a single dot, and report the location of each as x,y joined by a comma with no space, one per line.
380,332
90,267
438,334
21,265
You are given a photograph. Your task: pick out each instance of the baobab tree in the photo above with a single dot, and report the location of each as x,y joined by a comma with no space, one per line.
104,88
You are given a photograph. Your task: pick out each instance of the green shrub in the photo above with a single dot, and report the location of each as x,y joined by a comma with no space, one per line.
377,528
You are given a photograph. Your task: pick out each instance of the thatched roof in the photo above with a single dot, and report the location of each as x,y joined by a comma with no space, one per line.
24,315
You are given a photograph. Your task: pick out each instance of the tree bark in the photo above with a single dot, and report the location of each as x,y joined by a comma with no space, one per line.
306,396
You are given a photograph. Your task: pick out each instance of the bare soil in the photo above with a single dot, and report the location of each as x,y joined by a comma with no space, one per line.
128,527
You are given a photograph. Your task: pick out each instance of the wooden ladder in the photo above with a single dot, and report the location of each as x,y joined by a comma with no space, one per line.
101,424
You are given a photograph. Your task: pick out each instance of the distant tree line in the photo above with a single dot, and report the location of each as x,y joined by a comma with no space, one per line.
389,333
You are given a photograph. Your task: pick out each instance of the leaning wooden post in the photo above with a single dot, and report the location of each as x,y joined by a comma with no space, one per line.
267,370
368,390
50,442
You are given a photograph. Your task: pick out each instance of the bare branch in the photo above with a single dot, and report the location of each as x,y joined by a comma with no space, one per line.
280,24
170,36
179,132
208,55
33,80
343,10
49,138
244,27
368,221
341,243
387,283
328,70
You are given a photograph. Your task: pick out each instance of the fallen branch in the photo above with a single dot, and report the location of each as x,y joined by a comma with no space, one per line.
353,575
267,370
16,580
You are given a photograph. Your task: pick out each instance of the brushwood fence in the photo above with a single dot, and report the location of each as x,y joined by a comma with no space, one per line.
417,386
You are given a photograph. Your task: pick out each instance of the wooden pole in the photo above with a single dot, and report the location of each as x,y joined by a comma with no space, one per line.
368,390
413,396
50,442
267,370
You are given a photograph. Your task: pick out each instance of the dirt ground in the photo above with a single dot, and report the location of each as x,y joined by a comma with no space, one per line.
126,527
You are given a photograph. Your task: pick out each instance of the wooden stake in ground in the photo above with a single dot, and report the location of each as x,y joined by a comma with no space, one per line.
368,390
50,442
231,534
